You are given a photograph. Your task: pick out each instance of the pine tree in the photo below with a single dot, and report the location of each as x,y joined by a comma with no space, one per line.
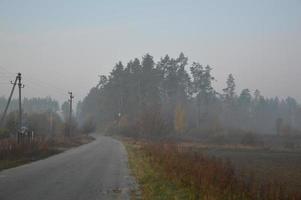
229,91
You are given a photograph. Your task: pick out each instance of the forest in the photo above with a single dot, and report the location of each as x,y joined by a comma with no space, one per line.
174,95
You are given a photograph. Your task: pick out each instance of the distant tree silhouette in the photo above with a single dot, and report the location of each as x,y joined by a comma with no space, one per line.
143,90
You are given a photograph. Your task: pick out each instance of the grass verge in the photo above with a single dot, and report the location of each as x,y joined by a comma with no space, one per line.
19,154
152,185
167,171
10,163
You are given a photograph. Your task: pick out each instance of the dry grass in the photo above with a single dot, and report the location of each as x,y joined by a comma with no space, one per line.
280,166
209,177
151,184
13,154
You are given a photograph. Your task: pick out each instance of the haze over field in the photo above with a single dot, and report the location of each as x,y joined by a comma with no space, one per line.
150,99
67,44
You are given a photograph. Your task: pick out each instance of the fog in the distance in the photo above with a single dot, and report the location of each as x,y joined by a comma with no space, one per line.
68,44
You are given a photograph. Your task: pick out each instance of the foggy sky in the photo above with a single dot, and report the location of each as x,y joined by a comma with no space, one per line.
62,46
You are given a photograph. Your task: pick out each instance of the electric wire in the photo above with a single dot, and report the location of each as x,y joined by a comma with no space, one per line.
34,82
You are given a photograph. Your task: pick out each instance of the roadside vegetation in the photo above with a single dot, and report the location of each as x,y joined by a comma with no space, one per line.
172,171
13,154
152,184
46,133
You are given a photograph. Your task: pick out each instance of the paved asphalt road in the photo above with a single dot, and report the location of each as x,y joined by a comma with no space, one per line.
94,171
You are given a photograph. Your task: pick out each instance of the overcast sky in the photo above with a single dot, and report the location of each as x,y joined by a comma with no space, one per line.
62,45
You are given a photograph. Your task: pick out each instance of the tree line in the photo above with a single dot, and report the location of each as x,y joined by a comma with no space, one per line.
43,116
31,105
172,95
164,97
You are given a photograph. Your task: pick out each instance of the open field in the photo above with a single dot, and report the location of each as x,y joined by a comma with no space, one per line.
167,171
276,164
279,166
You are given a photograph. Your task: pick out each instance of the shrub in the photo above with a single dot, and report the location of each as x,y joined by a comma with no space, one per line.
151,124
89,126
4,133
250,139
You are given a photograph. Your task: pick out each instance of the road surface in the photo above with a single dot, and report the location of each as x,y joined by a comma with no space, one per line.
94,171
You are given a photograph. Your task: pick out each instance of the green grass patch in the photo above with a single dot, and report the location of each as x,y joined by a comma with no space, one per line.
152,184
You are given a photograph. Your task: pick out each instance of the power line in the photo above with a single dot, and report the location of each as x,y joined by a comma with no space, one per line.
4,75
46,84
38,85
41,90
7,74
34,79
36,82
7,71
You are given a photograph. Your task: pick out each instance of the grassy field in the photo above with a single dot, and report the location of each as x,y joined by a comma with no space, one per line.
281,166
171,171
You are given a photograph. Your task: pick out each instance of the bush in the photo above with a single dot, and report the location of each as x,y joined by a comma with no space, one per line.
251,139
218,139
89,126
4,133
151,124
40,123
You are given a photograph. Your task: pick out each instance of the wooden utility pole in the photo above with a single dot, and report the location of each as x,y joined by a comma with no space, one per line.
51,123
70,112
20,85
8,102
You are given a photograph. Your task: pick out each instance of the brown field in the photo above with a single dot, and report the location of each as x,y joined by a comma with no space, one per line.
280,166
212,172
